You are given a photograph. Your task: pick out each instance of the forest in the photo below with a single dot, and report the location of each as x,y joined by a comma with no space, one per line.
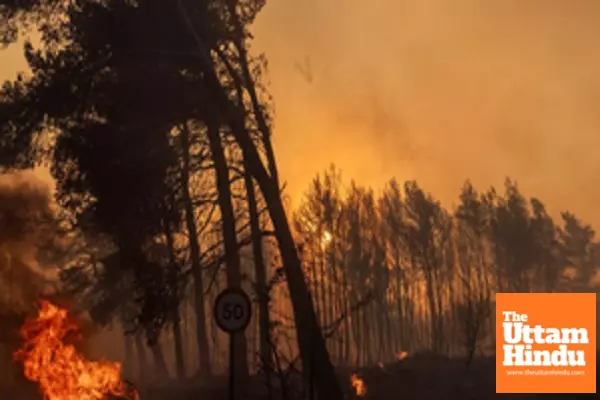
155,120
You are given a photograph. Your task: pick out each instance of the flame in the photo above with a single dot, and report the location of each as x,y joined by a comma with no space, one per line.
59,370
401,355
358,385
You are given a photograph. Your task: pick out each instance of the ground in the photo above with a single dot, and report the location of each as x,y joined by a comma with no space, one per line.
423,377
426,377
430,377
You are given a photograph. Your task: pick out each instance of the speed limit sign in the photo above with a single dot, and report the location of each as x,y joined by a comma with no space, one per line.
232,310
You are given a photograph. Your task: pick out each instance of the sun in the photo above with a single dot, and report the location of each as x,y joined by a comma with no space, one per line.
326,239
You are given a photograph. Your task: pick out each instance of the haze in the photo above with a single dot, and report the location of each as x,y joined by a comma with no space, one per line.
438,91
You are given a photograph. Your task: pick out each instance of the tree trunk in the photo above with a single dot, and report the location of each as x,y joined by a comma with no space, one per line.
160,364
174,277
141,356
314,285
331,304
367,335
128,363
322,284
261,278
232,256
178,346
431,302
399,295
309,334
205,369
348,318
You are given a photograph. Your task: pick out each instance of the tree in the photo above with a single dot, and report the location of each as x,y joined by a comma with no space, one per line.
548,252
113,106
96,66
391,209
358,218
261,286
513,241
474,299
429,229
581,251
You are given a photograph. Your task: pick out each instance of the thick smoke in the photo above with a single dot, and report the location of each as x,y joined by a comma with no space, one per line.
26,219
439,91
434,90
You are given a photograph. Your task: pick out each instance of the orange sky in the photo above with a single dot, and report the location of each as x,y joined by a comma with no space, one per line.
438,91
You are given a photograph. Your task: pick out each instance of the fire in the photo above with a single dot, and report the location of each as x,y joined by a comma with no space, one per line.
401,355
59,370
358,385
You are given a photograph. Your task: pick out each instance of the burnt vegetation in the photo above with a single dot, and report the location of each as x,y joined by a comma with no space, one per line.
155,121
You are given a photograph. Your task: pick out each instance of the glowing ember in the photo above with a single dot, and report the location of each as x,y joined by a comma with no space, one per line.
358,385
59,370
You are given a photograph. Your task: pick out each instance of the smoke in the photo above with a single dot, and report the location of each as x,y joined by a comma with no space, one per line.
27,217
434,90
25,200
439,91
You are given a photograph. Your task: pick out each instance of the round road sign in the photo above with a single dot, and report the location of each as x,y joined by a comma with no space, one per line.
233,310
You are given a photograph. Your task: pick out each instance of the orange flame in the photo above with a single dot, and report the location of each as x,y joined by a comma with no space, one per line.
59,370
358,385
401,355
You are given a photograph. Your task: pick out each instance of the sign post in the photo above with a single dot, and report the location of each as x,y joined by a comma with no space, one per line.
232,313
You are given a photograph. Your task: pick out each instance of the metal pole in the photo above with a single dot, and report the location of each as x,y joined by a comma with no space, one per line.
232,366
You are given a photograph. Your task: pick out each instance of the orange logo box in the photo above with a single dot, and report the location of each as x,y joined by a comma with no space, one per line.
545,343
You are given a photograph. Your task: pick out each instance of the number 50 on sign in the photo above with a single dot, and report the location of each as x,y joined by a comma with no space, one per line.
232,310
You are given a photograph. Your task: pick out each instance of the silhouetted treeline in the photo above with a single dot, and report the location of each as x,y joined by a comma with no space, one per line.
431,272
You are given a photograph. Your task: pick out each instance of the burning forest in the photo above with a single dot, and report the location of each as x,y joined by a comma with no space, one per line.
161,257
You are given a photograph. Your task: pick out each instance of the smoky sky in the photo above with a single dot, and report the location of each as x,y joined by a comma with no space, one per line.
437,91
